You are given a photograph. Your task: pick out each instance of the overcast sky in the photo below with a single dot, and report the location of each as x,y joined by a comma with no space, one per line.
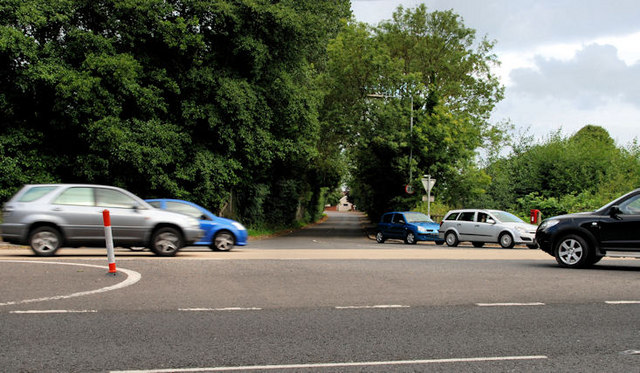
565,63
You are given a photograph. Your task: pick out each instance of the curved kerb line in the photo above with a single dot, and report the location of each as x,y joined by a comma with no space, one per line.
132,278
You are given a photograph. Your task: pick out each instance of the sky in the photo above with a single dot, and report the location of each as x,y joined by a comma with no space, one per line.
564,63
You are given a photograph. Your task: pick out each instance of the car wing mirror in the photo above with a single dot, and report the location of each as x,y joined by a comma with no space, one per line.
615,211
491,221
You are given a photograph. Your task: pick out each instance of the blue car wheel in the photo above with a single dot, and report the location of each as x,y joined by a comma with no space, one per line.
223,241
410,238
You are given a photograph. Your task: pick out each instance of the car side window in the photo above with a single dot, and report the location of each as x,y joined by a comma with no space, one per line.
184,209
76,197
482,217
387,218
35,193
114,198
631,206
452,216
155,204
467,216
398,219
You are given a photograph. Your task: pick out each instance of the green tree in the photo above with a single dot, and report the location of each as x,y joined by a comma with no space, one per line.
563,174
426,59
212,101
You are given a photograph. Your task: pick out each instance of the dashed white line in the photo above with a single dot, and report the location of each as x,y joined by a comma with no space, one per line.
370,307
54,311
220,309
340,365
509,304
132,278
623,302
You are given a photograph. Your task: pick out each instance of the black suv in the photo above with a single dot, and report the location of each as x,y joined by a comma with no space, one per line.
582,239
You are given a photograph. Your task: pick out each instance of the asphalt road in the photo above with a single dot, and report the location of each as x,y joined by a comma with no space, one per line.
324,299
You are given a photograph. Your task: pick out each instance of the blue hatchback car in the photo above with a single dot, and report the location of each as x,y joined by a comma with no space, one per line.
409,226
220,234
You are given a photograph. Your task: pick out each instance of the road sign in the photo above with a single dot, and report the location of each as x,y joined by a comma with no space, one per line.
428,183
409,189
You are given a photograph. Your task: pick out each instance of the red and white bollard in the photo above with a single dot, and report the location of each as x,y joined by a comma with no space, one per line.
108,236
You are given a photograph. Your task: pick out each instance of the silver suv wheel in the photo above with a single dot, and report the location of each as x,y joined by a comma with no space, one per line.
45,241
166,242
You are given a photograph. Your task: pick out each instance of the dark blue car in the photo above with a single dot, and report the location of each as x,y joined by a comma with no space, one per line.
220,234
409,226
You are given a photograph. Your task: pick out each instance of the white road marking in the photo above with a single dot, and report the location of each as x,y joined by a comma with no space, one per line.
370,307
221,309
623,302
340,365
54,311
509,304
132,278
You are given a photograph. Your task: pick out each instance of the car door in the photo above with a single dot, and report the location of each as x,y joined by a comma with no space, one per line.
465,225
622,231
81,220
484,229
129,223
385,225
397,226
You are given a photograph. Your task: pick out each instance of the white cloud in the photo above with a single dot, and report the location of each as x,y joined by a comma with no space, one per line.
596,74
564,63
545,115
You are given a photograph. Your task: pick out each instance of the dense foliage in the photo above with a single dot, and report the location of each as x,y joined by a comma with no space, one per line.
412,96
208,100
258,109
562,174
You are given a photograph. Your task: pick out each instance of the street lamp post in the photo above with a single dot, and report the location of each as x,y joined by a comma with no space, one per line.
411,143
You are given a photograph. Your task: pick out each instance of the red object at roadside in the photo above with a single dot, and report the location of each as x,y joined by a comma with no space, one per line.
535,216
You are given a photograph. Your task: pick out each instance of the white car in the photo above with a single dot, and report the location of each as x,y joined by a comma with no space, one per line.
484,226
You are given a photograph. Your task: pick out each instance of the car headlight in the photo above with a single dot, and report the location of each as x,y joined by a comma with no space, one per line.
239,226
548,224
422,229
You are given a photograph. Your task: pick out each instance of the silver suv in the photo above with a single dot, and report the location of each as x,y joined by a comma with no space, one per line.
49,216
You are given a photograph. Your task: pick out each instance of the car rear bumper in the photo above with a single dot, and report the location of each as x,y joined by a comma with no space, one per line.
13,233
